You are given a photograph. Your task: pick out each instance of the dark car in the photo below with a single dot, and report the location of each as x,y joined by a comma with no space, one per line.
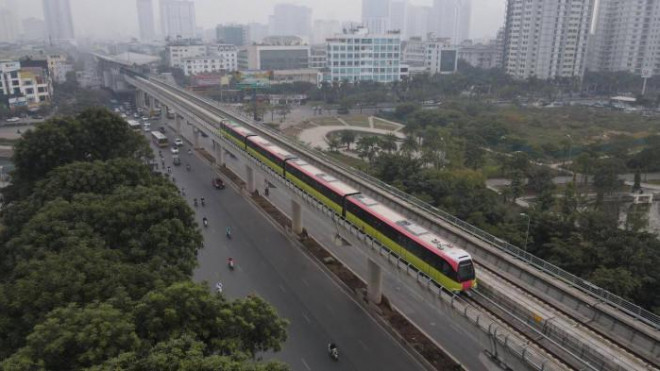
218,183
162,129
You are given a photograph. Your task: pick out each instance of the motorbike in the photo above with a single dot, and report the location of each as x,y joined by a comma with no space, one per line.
333,352
206,222
228,234
203,202
230,264
195,202
188,167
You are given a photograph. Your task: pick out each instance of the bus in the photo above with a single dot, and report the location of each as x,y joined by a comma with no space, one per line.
159,139
134,125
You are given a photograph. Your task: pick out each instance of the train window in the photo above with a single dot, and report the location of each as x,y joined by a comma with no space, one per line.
465,271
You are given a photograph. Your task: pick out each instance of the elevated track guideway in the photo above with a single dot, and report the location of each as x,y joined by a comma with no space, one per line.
596,329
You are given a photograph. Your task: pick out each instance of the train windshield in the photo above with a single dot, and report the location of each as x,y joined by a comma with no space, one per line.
465,271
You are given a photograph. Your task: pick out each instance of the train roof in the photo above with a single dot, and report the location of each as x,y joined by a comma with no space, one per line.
241,130
322,176
430,240
272,148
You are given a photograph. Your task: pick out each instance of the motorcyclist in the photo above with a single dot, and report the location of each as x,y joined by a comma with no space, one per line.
218,287
230,263
228,232
205,221
195,201
188,167
202,201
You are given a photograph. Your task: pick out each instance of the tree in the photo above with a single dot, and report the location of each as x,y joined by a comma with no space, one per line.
409,146
283,110
606,178
474,156
345,106
388,143
347,137
402,111
368,147
333,142
75,337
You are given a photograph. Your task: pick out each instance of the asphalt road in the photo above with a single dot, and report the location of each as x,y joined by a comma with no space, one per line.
408,299
267,264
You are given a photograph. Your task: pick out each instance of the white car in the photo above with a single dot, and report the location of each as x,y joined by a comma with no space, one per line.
178,142
175,150
13,119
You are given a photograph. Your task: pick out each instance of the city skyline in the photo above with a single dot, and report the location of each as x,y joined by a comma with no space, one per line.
118,19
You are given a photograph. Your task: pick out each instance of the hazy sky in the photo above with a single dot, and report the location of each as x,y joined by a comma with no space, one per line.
118,18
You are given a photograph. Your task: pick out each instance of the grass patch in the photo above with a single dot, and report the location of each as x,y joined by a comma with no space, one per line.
360,121
379,124
7,141
348,160
325,121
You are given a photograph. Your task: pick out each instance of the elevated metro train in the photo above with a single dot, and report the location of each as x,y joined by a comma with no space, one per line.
449,266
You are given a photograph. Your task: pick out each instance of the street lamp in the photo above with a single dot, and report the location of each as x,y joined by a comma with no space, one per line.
529,220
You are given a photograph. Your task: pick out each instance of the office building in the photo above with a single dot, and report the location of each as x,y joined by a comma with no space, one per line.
483,55
627,37
289,19
177,19
276,53
323,29
357,55
34,29
452,19
318,57
218,58
26,83
59,23
145,11
546,38
376,16
233,34
58,67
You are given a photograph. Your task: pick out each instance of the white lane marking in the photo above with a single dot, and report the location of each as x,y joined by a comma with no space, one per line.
307,319
363,345
282,288
305,363
304,281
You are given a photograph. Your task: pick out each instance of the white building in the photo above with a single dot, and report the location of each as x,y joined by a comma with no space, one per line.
58,67
360,56
59,23
219,58
547,38
145,12
627,37
318,57
26,83
177,19
376,16
289,19
436,56
178,53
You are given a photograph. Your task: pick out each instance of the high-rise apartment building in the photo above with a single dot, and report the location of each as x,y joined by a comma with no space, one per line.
547,38
145,11
376,16
627,37
357,55
399,17
34,29
257,32
59,23
233,34
8,25
177,19
291,20
451,19
419,21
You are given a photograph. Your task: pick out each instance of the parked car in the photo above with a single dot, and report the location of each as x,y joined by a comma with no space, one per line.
218,183
13,119
178,142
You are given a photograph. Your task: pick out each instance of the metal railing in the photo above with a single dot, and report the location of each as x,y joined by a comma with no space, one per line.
616,301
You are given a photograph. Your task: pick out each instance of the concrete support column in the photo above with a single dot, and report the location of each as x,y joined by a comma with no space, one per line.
195,137
296,217
219,153
151,103
137,98
249,178
177,122
375,283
